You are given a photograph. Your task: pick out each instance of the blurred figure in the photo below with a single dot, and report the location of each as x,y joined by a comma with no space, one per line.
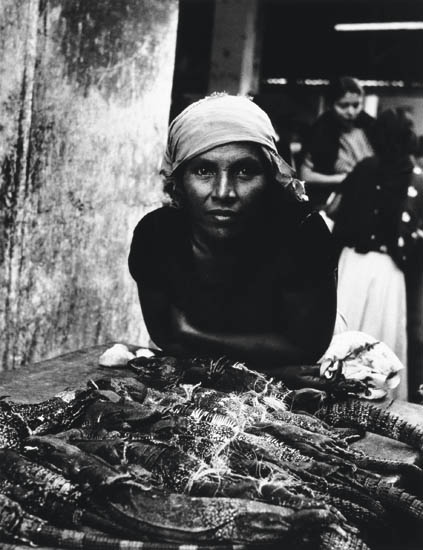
339,139
379,228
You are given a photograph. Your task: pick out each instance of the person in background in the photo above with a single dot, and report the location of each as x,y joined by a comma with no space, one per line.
237,264
339,139
379,229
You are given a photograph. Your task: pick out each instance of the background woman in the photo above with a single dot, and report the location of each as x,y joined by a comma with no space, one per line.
339,139
379,229
237,265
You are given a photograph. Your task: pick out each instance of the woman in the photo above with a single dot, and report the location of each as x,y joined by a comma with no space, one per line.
237,265
379,229
339,139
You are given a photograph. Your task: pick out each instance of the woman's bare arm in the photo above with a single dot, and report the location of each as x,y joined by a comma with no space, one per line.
310,176
305,336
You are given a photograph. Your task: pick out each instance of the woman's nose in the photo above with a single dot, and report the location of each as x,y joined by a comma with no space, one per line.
224,188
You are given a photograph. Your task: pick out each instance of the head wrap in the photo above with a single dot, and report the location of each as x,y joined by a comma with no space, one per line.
220,119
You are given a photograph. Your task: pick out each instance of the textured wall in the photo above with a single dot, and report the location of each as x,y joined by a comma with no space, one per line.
84,102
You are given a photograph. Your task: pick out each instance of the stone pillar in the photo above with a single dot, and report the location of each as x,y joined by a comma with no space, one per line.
84,104
234,60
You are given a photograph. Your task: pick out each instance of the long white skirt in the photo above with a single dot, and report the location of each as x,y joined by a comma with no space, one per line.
371,297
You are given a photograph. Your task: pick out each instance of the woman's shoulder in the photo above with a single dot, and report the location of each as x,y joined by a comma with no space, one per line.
327,122
160,216
324,123
314,244
365,120
322,136
159,223
153,239
159,230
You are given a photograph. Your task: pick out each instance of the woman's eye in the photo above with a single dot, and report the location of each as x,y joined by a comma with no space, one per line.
248,171
203,171
244,171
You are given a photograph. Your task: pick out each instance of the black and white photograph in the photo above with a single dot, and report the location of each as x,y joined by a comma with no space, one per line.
211,274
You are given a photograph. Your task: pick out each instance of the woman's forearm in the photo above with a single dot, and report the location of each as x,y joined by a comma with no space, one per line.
175,334
269,348
269,354
317,178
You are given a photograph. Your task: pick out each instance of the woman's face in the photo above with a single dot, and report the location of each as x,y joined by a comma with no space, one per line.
224,189
348,107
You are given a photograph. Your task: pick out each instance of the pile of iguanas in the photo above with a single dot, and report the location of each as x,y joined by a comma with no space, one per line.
205,453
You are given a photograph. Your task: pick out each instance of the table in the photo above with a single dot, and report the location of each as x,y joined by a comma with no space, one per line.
44,379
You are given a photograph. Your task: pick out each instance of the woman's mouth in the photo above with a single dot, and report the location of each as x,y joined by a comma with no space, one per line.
222,215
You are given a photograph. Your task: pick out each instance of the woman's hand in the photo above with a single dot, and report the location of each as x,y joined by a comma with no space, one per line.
300,376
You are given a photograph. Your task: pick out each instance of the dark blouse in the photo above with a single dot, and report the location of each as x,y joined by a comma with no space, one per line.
382,210
287,254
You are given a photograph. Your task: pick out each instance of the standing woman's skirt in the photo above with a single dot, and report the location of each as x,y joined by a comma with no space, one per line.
372,298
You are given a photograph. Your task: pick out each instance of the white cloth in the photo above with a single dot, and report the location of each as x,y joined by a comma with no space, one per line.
364,358
116,356
371,296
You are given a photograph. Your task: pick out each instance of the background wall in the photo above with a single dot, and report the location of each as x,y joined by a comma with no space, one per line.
84,101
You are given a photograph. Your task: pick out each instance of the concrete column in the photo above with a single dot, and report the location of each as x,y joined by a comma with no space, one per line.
84,104
234,60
